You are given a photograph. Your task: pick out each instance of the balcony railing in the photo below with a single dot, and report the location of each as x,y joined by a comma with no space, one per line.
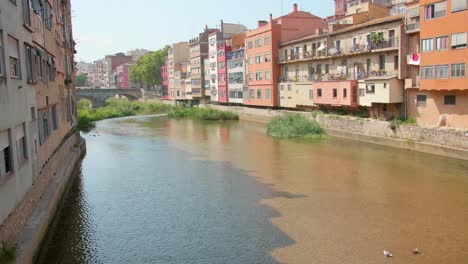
413,26
375,45
349,76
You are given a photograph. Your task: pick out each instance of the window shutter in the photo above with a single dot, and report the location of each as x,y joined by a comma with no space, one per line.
13,47
458,5
4,140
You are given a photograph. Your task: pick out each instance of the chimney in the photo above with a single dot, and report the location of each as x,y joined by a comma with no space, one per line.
271,17
295,8
262,23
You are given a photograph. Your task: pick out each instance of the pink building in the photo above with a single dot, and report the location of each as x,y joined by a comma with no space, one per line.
165,82
335,93
123,76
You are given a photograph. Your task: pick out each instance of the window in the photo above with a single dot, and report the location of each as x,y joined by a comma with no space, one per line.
21,146
427,72
258,59
258,42
282,87
251,76
335,93
450,100
47,13
362,92
427,45
44,125
370,88
381,62
251,94
13,52
267,40
435,10
459,40
259,93
395,62
319,92
2,69
222,65
345,93
250,45
267,57
289,87
259,76
421,100
327,68
458,70
251,60
268,94
441,71
319,69
458,5
29,63
26,13
6,163
442,43
311,94
268,75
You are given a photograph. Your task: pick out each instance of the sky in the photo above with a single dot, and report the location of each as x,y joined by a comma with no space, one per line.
103,27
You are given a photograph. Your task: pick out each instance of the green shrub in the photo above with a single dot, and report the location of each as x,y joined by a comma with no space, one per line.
409,121
394,124
7,254
362,112
316,113
294,126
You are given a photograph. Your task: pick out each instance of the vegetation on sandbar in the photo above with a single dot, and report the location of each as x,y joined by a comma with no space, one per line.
294,126
114,108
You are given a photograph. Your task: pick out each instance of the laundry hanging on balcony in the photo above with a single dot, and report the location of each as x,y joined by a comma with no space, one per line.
414,59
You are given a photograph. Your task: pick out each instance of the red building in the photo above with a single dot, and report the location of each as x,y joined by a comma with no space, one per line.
122,75
224,48
263,43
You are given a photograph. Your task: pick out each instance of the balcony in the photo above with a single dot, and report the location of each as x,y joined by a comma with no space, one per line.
378,44
412,83
345,76
413,27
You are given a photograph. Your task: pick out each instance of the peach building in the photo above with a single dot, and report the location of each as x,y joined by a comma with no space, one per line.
357,65
441,96
262,45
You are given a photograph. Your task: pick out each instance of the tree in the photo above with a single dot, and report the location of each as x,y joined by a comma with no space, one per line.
147,69
81,80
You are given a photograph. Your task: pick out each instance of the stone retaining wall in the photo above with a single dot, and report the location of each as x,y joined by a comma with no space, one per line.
64,158
440,141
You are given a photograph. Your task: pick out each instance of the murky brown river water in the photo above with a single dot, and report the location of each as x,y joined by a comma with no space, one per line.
154,190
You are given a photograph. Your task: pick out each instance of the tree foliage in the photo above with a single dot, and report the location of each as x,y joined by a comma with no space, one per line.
81,80
147,69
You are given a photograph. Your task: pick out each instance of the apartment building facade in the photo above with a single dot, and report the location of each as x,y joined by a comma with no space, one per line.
37,96
358,65
441,98
237,86
219,44
164,83
111,62
177,53
262,45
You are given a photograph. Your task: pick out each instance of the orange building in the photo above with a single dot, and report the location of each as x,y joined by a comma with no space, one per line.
442,96
262,49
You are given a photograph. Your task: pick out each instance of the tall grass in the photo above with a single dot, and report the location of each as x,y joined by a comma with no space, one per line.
7,253
87,116
115,108
201,113
294,126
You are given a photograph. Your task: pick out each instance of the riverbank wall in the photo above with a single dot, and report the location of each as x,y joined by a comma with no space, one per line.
27,225
438,141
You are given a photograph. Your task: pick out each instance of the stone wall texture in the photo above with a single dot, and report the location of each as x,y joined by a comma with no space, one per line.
443,138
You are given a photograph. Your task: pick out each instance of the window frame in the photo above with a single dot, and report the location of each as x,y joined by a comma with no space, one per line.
450,102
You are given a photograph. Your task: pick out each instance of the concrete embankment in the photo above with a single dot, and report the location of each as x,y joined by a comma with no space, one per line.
27,225
438,141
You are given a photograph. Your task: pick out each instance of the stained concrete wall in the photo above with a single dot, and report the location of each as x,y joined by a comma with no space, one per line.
438,141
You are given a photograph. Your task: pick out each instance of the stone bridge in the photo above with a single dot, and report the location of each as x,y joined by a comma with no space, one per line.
98,97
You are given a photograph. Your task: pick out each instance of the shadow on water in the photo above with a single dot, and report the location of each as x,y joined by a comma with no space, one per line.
140,200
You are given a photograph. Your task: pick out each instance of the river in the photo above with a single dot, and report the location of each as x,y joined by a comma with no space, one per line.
156,190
